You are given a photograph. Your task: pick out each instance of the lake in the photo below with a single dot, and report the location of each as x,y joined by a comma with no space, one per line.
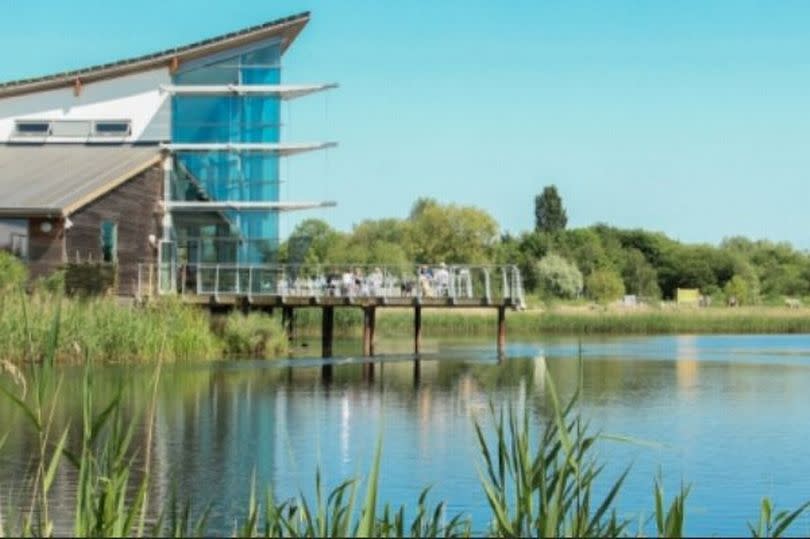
726,414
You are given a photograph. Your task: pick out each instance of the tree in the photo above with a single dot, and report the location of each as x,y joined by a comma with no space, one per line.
549,214
738,288
559,276
604,285
639,276
451,233
311,242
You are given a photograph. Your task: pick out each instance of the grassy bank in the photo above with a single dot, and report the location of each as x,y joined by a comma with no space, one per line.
568,321
102,329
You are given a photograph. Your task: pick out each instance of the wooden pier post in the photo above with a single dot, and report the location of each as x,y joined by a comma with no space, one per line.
288,321
369,319
417,329
501,329
327,330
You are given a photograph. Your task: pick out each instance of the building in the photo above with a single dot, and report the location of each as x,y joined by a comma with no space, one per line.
169,160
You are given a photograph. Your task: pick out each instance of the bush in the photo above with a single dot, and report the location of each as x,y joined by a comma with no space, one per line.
559,277
13,273
738,288
604,285
255,335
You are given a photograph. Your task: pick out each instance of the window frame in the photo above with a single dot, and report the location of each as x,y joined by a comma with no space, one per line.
46,123
114,241
111,134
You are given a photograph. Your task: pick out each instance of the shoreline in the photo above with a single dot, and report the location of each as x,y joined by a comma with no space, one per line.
572,321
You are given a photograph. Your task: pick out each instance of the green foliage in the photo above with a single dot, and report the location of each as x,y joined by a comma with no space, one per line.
774,525
640,278
604,285
451,233
559,277
13,273
254,335
549,213
89,278
547,490
670,523
737,288
432,233
102,330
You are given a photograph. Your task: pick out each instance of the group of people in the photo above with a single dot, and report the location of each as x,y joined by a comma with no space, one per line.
434,282
428,282
356,283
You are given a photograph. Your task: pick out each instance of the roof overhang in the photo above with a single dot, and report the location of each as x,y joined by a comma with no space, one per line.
283,91
287,29
55,181
280,148
205,206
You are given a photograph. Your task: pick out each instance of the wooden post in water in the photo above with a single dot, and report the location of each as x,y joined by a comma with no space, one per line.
327,330
288,321
501,329
417,329
373,324
368,331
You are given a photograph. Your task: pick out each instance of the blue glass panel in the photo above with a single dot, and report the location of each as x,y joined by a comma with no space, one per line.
225,118
228,236
223,176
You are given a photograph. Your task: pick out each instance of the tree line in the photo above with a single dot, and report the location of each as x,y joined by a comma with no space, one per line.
599,262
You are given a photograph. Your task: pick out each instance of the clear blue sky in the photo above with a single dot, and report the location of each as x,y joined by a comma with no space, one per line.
692,118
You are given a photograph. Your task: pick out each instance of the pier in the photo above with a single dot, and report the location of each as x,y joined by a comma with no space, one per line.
267,288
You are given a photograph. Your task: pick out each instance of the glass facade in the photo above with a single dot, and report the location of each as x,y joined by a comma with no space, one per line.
239,237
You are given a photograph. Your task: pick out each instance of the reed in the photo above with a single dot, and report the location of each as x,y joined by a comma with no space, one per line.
481,322
101,329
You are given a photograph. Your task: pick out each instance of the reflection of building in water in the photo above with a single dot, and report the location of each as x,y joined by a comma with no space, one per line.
686,364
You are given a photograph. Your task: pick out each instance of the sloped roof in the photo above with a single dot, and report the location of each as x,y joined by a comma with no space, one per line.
58,179
286,28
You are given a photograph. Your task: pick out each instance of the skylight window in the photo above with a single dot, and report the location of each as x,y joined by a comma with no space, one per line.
33,128
112,128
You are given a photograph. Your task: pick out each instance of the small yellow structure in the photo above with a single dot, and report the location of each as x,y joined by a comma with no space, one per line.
689,297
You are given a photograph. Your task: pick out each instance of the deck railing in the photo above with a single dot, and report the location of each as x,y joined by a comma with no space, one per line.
457,282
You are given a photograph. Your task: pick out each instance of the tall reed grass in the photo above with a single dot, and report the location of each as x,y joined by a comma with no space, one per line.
101,329
443,322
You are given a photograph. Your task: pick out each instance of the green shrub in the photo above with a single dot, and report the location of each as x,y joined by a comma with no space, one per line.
604,285
13,273
559,277
254,335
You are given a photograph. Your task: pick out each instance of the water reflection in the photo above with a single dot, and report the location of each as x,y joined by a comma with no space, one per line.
219,424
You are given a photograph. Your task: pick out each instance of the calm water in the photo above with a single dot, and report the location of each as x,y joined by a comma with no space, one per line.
726,413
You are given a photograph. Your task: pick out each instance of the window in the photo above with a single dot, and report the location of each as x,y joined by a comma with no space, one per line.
112,128
109,242
33,128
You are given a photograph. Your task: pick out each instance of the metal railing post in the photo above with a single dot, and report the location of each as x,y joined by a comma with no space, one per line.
216,282
487,289
250,283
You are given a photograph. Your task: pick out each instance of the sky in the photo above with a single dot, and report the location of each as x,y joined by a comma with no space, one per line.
690,118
